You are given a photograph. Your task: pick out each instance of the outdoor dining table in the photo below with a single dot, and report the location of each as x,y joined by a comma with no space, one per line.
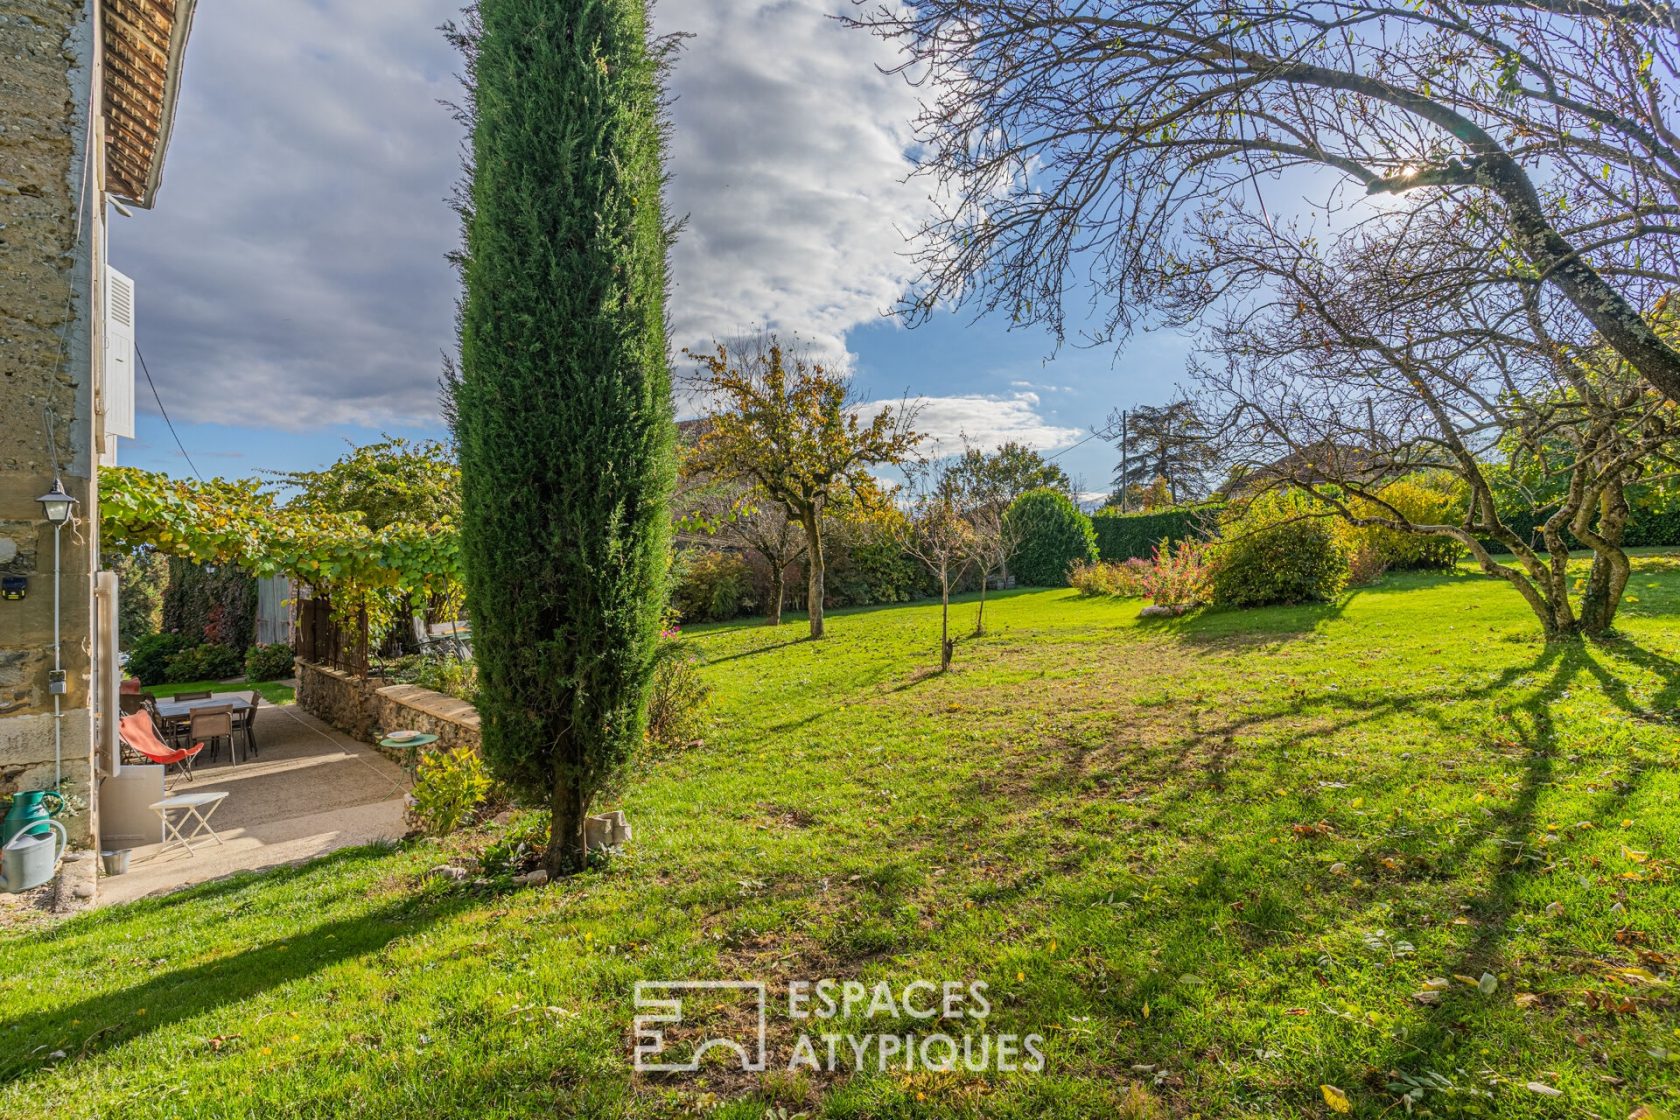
179,712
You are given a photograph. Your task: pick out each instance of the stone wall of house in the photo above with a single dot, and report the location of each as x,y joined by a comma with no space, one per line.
371,709
49,237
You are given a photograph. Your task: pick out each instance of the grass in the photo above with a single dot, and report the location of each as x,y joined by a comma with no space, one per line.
273,691
1217,862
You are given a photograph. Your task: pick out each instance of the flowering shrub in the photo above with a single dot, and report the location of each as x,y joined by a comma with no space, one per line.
1181,576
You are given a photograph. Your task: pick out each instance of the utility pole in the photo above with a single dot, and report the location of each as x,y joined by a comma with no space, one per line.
1125,498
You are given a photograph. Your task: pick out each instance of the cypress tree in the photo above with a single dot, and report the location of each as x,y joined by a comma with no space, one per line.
562,401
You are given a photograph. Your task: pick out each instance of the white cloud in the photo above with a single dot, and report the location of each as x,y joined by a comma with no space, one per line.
294,271
787,155
987,422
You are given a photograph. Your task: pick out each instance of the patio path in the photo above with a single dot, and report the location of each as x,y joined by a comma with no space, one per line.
311,790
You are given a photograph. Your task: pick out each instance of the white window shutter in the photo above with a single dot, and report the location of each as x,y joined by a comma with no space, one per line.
119,354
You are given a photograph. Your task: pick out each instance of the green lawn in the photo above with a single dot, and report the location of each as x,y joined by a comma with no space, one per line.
1216,862
272,691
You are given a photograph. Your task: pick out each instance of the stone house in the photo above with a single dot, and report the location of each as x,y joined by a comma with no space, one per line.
87,98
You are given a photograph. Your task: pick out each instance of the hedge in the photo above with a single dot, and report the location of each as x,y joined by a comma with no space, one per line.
1645,529
1128,536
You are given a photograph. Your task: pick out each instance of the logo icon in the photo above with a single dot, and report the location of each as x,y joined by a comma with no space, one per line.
662,1002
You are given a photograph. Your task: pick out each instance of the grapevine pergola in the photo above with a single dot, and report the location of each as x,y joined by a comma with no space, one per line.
366,574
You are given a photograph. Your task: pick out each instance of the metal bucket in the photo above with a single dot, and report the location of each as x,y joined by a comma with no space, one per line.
116,863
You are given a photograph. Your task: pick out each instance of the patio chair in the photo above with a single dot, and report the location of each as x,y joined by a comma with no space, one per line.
169,729
244,720
209,726
139,736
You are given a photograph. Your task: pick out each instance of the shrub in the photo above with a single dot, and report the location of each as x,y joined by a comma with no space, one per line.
1367,562
148,658
451,676
711,586
207,662
1278,550
865,561
1051,536
268,663
1129,536
1429,498
1181,576
677,701
1107,577
449,786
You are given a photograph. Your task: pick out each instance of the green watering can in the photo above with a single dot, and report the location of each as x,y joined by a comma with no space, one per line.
29,813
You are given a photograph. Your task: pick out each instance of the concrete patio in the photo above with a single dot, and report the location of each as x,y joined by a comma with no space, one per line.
309,791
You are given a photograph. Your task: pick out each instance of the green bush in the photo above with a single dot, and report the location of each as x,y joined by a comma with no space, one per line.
1051,536
1276,551
711,586
148,658
1135,536
268,663
207,662
866,564
677,701
448,787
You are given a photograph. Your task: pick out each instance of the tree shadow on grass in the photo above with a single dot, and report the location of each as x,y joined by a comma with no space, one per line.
106,1020
1238,630
756,650
1665,705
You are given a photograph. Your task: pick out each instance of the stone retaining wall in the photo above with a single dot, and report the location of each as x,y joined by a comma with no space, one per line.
370,709
408,707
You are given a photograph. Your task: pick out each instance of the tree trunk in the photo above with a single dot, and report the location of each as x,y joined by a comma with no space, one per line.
946,646
1610,568
778,587
565,854
814,571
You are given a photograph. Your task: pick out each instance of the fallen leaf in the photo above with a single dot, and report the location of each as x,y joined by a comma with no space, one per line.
1543,1090
1335,1098
1525,999
1489,983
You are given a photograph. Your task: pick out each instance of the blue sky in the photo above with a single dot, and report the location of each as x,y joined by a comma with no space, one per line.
293,294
